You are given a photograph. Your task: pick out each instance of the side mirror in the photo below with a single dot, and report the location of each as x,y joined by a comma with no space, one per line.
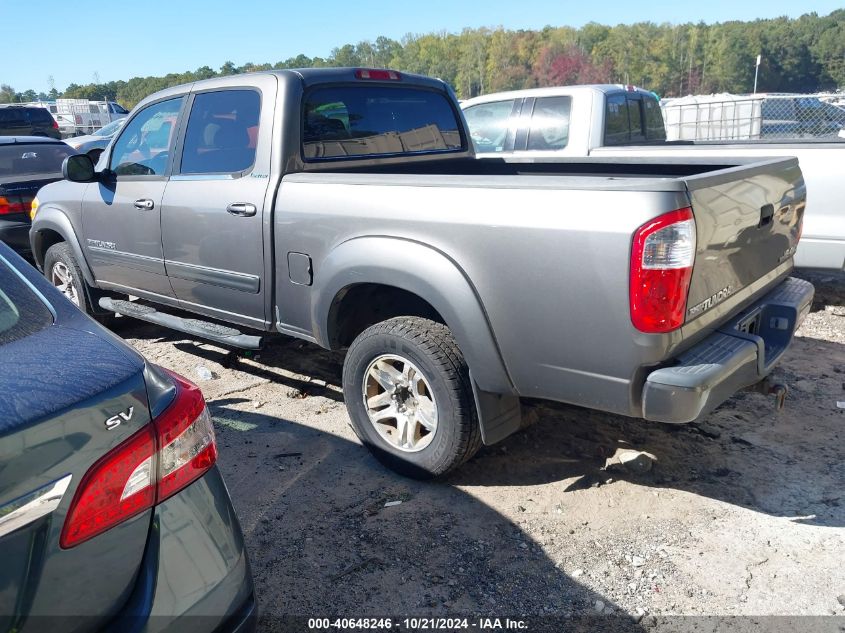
78,168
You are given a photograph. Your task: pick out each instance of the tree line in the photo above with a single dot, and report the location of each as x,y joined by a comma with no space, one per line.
804,54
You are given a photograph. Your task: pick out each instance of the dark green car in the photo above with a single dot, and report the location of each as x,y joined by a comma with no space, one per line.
113,514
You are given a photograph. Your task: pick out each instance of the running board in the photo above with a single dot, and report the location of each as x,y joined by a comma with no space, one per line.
203,329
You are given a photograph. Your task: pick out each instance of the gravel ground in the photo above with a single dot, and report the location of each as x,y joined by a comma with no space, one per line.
741,514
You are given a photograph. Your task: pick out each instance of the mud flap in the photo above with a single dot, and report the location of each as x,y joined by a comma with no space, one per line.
499,415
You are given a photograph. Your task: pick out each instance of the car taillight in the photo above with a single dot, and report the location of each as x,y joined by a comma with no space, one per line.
14,204
186,440
377,74
55,124
662,256
158,461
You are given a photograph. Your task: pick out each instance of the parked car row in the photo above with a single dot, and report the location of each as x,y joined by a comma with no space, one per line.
347,207
18,120
64,118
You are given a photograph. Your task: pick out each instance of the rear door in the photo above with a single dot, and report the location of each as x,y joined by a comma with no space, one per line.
59,384
121,215
213,211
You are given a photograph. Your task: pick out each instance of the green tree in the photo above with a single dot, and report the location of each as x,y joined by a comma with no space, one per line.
803,54
7,94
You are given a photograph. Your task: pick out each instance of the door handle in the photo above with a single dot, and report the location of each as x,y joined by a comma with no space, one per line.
244,209
145,204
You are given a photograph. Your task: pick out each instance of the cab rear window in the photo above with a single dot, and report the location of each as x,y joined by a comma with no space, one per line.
365,121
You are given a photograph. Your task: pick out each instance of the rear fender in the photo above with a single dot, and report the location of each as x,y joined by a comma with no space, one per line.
438,280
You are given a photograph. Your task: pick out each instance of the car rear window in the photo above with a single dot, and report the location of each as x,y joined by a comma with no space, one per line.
40,116
22,159
363,121
22,312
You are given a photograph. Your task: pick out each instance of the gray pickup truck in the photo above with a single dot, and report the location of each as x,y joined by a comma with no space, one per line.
345,207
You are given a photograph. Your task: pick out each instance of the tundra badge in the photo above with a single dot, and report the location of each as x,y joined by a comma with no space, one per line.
711,301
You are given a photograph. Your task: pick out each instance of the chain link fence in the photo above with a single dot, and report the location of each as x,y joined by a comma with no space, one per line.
771,117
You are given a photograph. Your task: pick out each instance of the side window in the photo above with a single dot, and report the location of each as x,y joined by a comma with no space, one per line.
654,130
488,125
550,123
143,147
12,118
616,126
222,132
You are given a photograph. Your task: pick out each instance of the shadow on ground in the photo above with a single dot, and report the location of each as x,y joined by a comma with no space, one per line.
322,542
327,538
786,463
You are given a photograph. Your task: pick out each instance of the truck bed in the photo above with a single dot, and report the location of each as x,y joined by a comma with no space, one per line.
548,254
823,239
608,168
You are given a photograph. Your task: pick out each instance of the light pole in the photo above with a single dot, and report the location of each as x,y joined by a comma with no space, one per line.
756,71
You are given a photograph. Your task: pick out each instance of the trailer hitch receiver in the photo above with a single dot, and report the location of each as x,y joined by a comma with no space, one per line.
771,388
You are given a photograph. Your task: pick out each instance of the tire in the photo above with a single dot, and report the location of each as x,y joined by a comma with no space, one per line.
411,365
62,270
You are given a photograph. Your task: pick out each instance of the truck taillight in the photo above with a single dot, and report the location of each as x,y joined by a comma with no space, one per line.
662,257
155,463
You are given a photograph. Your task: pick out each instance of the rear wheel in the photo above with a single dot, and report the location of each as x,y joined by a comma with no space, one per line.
408,394
63,271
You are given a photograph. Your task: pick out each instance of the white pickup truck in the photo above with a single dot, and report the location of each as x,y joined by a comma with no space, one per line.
624,121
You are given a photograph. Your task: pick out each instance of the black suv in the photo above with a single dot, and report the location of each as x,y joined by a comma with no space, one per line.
21,120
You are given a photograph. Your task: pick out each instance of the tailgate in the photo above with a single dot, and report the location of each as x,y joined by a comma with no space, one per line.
748,222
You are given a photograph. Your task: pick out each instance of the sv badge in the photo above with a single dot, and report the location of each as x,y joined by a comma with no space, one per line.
124,416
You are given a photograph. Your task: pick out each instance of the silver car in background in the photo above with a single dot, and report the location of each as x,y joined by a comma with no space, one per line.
94,144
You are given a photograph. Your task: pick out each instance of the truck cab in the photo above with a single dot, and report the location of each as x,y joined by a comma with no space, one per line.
563,121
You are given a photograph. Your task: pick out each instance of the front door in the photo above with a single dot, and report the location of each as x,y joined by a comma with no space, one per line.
213,211
121,214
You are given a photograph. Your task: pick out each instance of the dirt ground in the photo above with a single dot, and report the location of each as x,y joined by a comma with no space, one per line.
742,514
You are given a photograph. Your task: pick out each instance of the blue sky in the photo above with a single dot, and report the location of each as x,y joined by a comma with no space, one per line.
73,40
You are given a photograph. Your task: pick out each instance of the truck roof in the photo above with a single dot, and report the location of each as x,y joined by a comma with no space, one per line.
307,76
553,91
